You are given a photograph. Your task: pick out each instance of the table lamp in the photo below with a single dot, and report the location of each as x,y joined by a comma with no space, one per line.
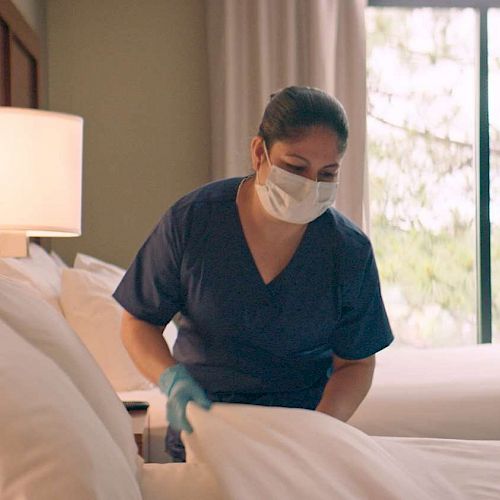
40,177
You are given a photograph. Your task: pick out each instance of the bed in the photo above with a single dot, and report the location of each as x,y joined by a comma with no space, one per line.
451,393
444,392
66,434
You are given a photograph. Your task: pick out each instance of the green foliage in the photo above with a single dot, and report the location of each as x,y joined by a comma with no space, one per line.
435,268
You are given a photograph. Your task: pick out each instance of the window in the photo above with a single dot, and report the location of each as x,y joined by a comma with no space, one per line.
422,89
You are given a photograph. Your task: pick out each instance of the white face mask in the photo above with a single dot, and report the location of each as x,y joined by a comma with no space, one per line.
293,198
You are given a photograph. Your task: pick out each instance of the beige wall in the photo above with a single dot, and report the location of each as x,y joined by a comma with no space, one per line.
137,72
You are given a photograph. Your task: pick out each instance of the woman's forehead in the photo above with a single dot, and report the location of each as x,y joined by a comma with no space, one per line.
317,141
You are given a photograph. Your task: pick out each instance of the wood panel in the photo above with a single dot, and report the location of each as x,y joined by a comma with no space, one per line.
23,76
20,59
20,28
4,65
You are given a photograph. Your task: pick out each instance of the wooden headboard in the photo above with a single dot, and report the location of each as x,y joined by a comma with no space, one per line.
21,66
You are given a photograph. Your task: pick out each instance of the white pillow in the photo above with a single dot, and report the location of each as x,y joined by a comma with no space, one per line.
37,270
57,259
89,263
105,269
53,444
96,317
40,325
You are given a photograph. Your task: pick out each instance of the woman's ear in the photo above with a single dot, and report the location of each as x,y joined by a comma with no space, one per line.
257,152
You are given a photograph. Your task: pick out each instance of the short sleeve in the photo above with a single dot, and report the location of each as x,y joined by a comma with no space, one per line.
363,328
150,289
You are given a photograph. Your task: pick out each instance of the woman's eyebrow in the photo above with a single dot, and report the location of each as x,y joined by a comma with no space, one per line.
331,165
298,156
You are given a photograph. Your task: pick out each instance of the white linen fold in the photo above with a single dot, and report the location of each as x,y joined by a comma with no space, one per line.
275,453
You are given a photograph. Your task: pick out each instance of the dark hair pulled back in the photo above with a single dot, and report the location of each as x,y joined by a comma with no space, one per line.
293,110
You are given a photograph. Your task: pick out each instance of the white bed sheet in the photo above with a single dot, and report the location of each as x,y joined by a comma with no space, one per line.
256,452
246,452
445,392
178,482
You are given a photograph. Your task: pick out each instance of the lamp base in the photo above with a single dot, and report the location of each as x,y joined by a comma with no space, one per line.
13,244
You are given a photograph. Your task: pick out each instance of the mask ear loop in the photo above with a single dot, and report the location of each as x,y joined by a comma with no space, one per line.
268,161
266,153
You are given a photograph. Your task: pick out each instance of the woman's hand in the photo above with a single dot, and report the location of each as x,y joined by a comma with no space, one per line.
180,388
149,351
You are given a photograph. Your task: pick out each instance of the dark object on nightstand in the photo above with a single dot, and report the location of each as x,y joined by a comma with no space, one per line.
136,405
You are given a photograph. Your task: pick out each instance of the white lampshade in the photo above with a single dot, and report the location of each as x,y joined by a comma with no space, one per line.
40,172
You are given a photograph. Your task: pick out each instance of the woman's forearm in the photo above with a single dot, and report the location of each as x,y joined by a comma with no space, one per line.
146,346
346,389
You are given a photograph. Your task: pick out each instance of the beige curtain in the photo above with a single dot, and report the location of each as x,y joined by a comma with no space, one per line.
258,46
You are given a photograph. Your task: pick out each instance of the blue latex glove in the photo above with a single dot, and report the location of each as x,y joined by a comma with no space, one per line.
180,388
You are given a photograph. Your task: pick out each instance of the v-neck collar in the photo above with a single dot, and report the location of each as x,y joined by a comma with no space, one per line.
291,263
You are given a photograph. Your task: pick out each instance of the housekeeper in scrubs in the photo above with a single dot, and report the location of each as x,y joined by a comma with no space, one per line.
278,293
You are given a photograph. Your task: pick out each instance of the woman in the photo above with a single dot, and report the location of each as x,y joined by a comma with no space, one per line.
278,293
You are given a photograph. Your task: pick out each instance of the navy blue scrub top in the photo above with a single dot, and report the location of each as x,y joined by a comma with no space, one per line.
239,335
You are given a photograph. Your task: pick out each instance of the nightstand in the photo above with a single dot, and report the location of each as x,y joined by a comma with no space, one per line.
140,426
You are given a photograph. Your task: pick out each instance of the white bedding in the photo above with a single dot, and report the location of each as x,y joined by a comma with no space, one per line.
179,482
238,451
449,392
275,453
